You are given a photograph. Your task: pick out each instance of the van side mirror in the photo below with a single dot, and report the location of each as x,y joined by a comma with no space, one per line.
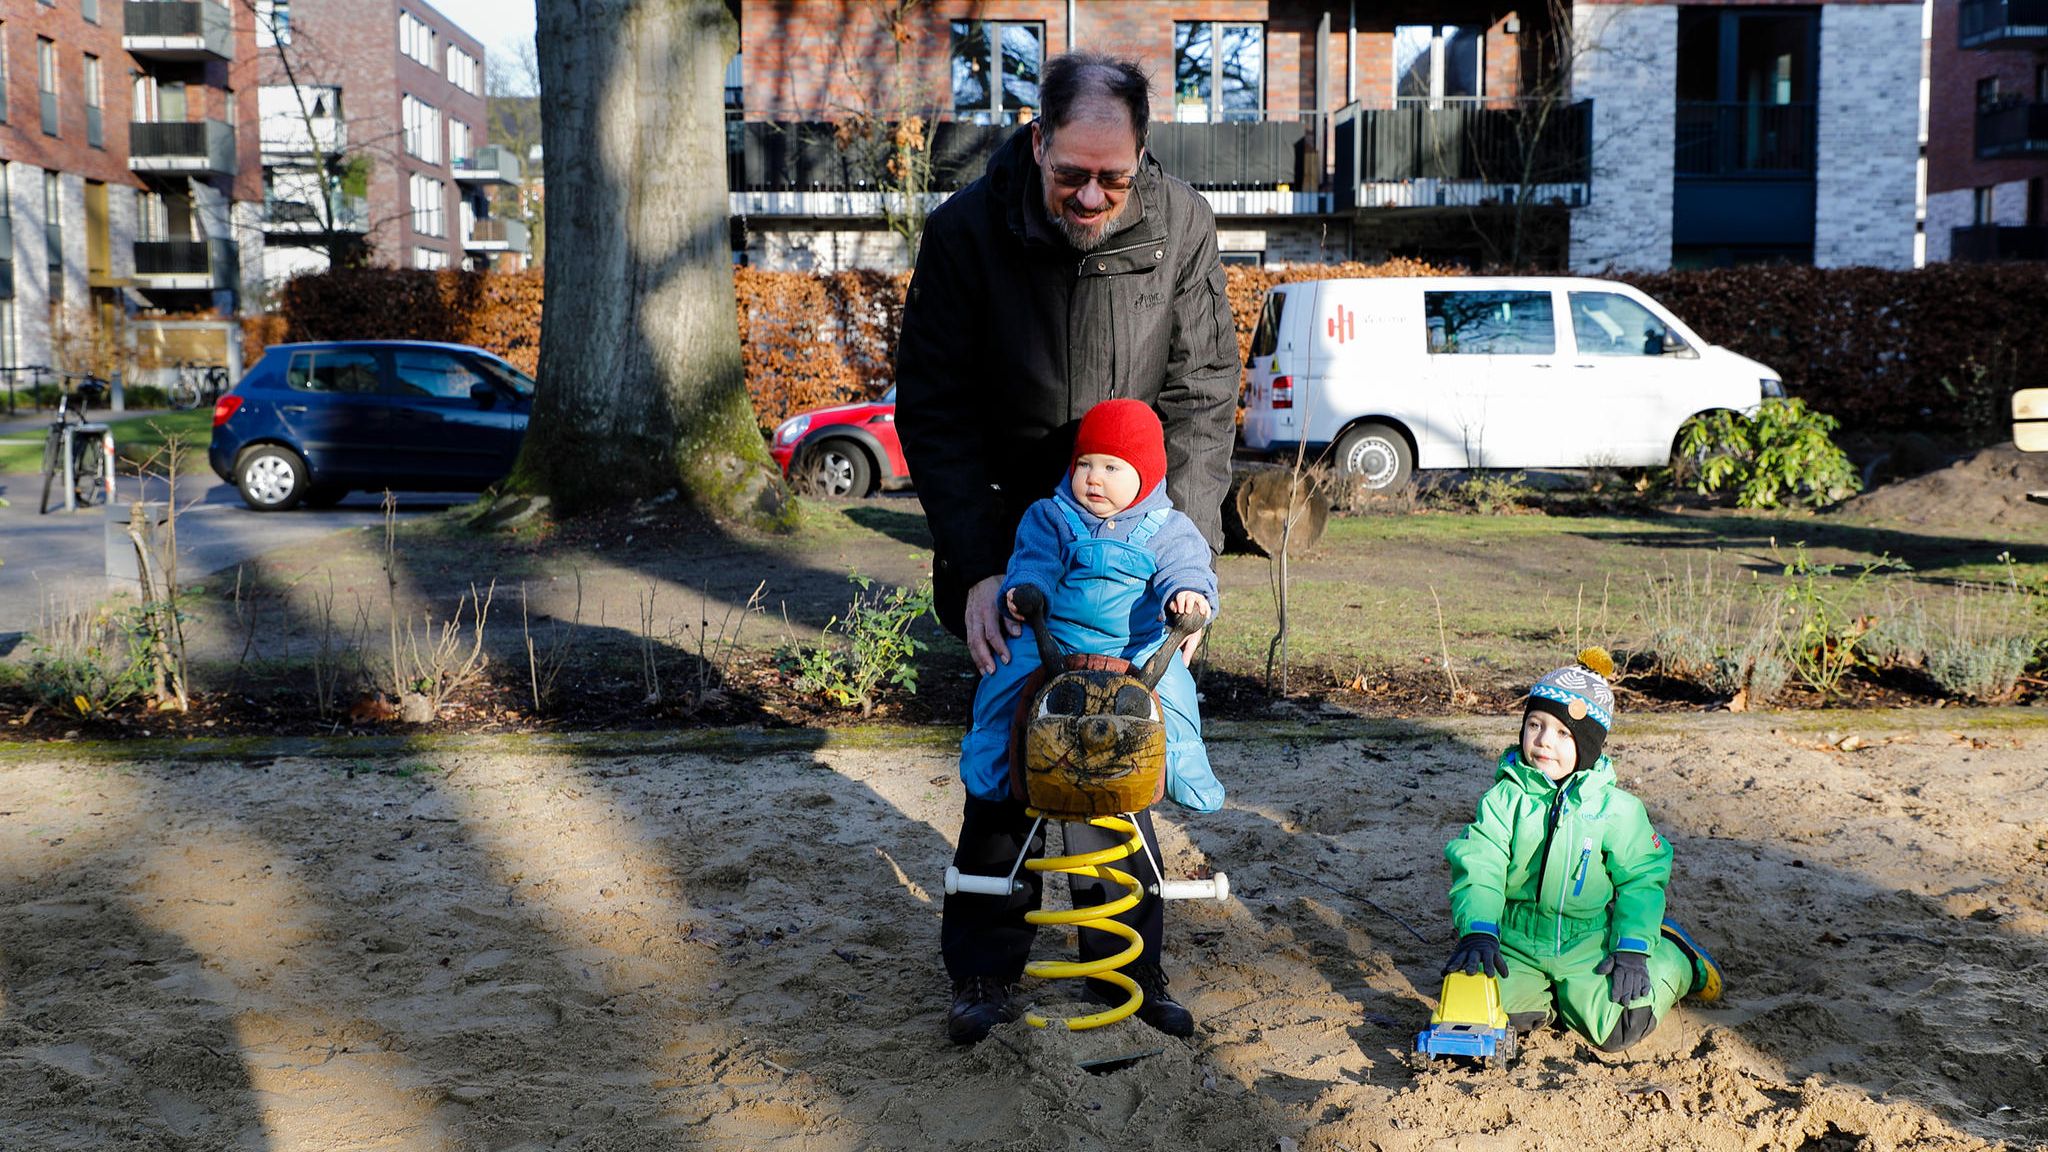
1674,344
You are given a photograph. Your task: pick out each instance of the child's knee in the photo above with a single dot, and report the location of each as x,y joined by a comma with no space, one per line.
1635,1024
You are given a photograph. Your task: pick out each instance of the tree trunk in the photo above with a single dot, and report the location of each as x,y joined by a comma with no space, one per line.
641,389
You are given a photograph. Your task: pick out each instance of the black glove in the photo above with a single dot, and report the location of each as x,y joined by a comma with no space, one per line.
1628,976
1476,952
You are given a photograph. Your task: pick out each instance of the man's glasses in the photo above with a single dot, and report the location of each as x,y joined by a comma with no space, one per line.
1069,177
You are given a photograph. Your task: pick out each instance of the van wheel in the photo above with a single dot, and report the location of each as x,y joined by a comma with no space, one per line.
1375,457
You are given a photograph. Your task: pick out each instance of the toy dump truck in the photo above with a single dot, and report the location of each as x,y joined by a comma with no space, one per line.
2030,426
1468,1021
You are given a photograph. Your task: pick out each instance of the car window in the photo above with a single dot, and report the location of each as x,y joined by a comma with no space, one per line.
1610,324
1490,323
1266,338
506,375
327,370
437,375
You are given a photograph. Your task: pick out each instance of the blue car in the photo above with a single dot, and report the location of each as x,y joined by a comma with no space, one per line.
311,423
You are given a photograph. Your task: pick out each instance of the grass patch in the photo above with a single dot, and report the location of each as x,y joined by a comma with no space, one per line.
135,438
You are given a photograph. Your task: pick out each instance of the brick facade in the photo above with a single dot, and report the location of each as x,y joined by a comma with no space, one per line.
1868,136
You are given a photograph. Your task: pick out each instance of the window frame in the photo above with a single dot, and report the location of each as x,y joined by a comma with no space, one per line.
996,109
1438,60
1213,109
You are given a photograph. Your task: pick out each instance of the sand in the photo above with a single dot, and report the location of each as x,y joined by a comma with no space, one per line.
509,944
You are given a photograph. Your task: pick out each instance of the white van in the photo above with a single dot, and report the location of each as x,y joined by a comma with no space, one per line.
1482,372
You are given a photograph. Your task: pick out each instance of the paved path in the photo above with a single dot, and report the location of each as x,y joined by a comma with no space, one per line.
63,555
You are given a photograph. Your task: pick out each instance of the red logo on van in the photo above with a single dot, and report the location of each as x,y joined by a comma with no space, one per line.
1342,325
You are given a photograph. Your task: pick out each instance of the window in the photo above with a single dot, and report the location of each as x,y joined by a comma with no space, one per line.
53,233
995,68
1981,206
347,373
46,82
458,142
510,377
273,23
94,114
1219,71
416,40
422,130
1494,323
429,206
435,374
90,9
1610,324
9,354
462,70
1436,63
429,258
1987,93
735,93
1266,338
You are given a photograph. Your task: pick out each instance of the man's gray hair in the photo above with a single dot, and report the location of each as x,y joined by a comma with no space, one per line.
1072,77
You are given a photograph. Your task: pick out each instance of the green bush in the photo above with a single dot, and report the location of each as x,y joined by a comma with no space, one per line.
874,647
1823,640
1782,452
84,663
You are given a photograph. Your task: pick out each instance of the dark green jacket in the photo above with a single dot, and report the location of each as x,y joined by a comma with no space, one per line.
1010,335
1577,853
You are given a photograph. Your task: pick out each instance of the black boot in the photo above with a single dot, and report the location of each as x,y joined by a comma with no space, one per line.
979,1004
1160,1009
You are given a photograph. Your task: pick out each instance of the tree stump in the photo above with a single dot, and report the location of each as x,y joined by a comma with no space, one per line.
1256,510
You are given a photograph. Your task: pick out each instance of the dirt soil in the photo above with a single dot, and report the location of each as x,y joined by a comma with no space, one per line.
727,941
1987,488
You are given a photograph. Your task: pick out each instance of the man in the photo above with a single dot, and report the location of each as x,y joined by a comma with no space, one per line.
1074,271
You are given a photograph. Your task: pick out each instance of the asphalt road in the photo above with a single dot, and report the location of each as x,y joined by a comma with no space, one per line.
61,557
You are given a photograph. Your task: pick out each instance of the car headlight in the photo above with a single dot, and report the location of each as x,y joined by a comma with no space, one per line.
1773,389
791,430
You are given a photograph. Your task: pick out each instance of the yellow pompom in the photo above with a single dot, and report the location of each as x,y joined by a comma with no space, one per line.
1598,662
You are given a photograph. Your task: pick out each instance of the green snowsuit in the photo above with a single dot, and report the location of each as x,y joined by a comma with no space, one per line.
1564,875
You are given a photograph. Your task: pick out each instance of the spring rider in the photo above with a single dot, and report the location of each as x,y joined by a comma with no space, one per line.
1089,745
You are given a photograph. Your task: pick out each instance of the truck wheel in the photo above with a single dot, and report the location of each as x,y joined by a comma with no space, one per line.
1376,457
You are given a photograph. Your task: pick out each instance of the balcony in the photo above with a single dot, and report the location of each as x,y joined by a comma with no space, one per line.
186,265
2012,129
1995,24
187,147
289,139
800,167
1464,155
1741,139
349,214
489,164
177,30
1983,243
497,234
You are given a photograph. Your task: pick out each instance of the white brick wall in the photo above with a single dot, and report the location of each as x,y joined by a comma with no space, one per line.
31,264
1868,135
794,250
1625,62
1945,211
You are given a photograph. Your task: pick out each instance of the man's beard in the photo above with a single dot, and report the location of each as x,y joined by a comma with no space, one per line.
1086,237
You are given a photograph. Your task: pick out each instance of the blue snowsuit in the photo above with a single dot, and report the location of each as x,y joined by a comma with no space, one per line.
1106,584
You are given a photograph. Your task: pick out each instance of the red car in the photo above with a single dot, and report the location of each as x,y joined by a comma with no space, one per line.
845,450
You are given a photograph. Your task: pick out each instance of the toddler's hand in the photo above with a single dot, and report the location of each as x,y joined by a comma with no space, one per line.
1476,953
1010,604
1187,602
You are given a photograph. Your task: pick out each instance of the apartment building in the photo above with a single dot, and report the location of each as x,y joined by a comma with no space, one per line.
123,127
1987,130
374,140
1637,134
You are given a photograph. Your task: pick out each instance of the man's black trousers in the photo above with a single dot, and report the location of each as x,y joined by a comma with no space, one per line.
987,935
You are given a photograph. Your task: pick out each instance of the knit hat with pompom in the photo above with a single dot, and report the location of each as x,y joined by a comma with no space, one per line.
1579,696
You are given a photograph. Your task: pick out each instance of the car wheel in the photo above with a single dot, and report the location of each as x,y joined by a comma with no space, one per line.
272,478
838,468
1375,457
325,495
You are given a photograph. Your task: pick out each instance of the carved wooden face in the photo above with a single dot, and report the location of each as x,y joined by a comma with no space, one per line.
1094,744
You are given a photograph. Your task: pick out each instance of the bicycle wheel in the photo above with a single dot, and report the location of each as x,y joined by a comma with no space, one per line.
184,395
216,383
89,471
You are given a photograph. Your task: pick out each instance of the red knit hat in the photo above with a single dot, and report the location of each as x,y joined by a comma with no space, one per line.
1128,430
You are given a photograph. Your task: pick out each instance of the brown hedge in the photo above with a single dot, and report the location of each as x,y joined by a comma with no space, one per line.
1936,350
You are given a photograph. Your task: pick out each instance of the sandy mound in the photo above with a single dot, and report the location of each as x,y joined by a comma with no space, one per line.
1987,488
517,946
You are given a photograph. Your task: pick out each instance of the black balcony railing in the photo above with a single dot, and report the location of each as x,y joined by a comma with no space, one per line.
187,258
815,156
1981,243
2012,129
164,18
2002,23
1516,144
1745,139
210,141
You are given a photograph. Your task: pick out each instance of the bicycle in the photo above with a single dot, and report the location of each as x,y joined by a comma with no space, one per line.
197,386
80,451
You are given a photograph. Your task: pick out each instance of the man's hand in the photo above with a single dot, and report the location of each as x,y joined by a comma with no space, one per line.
987,628
1628,976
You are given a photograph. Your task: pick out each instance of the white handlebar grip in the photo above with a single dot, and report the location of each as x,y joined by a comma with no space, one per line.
956,881
1216,888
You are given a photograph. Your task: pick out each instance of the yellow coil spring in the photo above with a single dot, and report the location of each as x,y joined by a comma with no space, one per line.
1098,917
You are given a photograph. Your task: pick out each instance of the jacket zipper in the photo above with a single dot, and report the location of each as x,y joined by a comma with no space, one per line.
1081,270
1558,808
1585,858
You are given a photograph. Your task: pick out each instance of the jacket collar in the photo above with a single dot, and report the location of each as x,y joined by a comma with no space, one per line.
1014,179
1064,494
1527,777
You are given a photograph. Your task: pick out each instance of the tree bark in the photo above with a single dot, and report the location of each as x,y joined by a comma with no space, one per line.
641,389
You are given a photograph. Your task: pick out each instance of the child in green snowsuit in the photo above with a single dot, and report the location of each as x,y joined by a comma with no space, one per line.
1558,886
